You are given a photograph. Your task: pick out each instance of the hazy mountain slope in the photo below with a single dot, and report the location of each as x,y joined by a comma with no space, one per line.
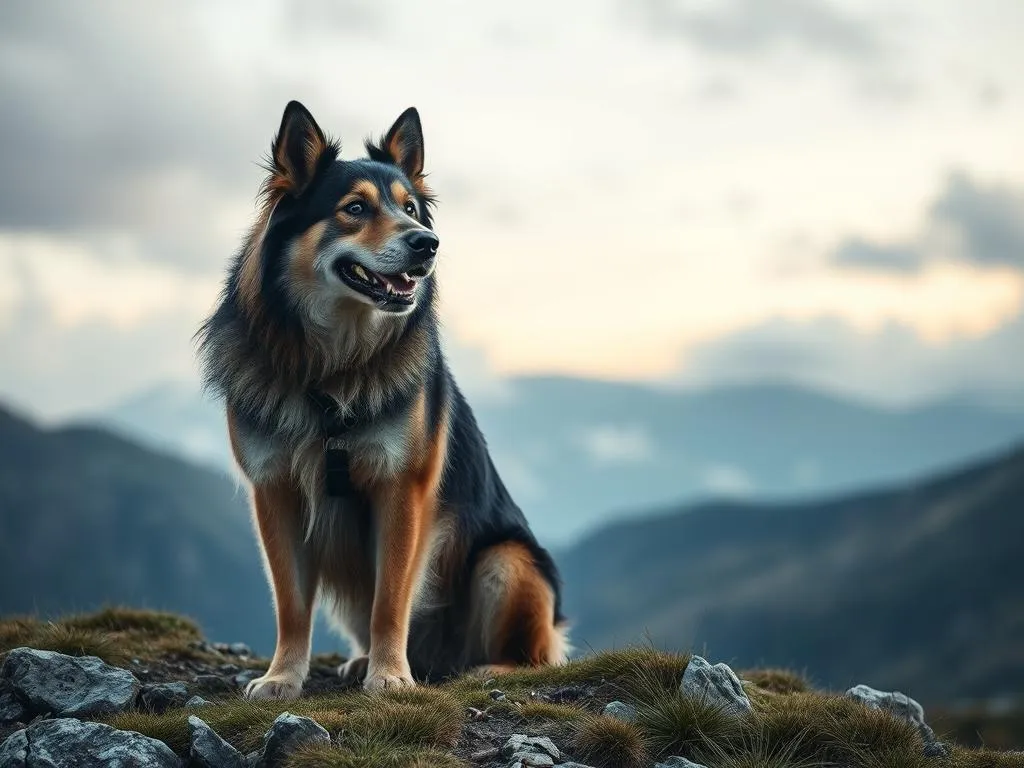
577,453
88,518
919,588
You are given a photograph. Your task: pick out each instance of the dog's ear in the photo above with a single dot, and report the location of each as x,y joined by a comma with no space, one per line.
404,144
298,150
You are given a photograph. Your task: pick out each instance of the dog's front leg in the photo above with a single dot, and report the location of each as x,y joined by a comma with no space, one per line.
402,527
293,577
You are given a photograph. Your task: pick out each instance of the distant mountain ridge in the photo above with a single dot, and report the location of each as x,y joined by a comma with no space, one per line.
918,587
88,518
578,453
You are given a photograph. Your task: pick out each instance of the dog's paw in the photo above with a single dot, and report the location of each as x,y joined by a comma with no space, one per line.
274,687
353,671
385,678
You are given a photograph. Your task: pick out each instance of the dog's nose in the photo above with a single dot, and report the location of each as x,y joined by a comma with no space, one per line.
423,243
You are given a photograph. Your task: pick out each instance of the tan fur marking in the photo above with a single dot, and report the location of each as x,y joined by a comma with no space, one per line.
278,509
518,621
400,193
377,232
363,189
303,254
406,510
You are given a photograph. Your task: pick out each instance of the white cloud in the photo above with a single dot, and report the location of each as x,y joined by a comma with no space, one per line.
726,480
616,444
588,200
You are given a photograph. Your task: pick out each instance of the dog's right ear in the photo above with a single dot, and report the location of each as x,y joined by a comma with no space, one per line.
299,149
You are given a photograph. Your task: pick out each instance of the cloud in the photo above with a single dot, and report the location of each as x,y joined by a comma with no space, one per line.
616,444
755,28
892,365
133,119
857,252
54,368
969,222
726,480
986,223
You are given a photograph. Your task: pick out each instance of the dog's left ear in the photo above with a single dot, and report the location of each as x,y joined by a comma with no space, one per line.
404,144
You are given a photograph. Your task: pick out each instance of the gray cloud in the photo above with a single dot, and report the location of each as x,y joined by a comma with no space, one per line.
124,119
857,252
753,28
968,221
334,17
892,366
988,222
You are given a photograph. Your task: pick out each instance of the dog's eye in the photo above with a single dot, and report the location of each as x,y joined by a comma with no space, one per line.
410,208
355,208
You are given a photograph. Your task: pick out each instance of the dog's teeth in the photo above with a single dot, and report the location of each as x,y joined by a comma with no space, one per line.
360,272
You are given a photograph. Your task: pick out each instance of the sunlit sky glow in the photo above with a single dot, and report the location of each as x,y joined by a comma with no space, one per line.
633,190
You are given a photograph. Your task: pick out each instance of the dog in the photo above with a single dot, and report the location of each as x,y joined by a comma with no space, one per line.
373,491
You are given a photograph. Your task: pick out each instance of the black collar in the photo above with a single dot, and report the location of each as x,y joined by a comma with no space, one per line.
335,422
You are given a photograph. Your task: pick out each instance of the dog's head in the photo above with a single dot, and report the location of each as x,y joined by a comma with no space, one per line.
347,231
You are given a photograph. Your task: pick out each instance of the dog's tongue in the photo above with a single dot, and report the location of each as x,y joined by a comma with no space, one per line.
400,283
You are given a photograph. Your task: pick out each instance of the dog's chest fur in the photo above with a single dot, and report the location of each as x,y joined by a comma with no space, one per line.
291,443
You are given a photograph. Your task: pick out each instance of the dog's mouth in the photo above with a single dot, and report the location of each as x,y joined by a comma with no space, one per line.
384,290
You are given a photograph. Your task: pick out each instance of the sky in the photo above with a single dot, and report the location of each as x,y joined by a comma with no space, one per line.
684,193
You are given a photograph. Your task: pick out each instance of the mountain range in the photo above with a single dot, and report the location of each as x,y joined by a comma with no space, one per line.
580,453
918,587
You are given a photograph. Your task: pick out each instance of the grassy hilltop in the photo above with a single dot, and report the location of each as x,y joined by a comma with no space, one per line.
460,723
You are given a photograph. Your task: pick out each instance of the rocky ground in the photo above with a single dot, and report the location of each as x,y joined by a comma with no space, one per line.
134,688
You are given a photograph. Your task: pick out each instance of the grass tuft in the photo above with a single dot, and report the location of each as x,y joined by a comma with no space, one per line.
984,758
415,717
154,623
380,754
675,724
115,635
66,640
776,680
623,668
607,742
545,710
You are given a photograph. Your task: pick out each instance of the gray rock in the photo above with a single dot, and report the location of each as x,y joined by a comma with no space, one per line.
83,744
12,709
497,695
196,701
531,760
573,765
716,684
252,758
239,649
288,733
246,676
620,711
14,750
936,749
209,750
677,762
157,698
214,685
73,686
899,704
540,745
